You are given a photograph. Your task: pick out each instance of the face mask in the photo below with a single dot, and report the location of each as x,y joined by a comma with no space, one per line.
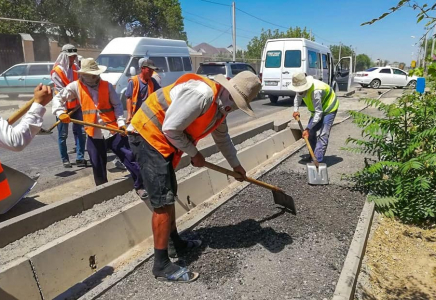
91,80
227,105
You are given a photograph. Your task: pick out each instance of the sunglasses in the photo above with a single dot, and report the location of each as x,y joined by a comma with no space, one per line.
71,50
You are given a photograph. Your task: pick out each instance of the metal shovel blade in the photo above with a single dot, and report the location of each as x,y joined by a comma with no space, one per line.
287,201
316,175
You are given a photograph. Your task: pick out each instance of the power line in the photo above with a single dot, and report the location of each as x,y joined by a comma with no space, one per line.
227,31
260,19
216,3
220,23
205,25
30,21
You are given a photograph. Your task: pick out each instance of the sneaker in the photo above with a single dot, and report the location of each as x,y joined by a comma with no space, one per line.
67,164
119,165
81,163
72,151
142,194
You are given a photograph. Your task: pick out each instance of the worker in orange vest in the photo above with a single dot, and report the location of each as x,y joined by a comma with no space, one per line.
62,74
100,105
171,122
138,90
18,137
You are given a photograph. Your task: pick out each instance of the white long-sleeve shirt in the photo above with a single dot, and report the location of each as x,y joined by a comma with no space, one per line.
18,137
71,91
317,104
190,100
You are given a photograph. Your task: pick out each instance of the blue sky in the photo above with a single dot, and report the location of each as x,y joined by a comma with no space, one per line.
331,21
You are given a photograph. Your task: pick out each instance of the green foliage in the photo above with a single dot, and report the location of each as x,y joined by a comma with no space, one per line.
97,21
363,62
400,177
256,45
345,51
417,72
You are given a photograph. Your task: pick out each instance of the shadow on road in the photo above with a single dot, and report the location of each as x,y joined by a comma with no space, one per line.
330,160
25,205
283,102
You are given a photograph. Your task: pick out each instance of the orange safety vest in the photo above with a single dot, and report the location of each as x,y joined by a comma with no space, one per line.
5,190
104,107
135,92
71,104
149,119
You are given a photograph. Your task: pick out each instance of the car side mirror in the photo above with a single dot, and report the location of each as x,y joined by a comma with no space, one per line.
132,71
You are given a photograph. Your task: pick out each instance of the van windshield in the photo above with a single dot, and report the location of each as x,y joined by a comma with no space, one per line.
115,63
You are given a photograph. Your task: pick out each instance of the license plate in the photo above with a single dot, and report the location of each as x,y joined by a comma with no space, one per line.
271,83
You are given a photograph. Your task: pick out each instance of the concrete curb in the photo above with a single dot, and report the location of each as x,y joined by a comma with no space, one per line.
20,226
346,285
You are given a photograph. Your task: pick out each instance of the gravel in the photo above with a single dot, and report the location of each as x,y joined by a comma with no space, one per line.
252,249
40,238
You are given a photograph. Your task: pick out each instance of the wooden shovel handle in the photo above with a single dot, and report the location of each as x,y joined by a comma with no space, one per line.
21,112
237,175
59,121
97,126
315,161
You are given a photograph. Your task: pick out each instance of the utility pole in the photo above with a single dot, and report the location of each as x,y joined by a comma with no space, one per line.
432,43
234,31
310,36
425,52
355,60
340,48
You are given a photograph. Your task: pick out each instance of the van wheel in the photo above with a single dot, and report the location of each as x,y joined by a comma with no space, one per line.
375,84
273,99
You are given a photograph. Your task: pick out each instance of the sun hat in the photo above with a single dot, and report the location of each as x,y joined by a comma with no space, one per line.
146,62
243,88
90,66
300,82
69,49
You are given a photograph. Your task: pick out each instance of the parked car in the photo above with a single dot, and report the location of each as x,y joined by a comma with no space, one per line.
384,76
227,68
23,78
121,57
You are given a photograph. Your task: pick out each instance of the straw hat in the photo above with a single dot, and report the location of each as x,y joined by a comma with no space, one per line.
89,66
69,49
300,82
146,62
243,88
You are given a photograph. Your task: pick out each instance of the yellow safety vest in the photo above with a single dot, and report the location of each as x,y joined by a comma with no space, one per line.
329,100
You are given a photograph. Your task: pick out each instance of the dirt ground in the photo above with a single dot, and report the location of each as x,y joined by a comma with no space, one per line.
252,249
400,263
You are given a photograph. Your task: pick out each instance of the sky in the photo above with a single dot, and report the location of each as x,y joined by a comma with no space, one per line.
331,21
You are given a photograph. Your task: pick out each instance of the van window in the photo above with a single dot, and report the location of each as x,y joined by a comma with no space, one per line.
324,62
175,63
293,59
187,63
115,63
38,70
273,59
313,59
161,63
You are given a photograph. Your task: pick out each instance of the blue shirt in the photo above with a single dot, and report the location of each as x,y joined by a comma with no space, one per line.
143,91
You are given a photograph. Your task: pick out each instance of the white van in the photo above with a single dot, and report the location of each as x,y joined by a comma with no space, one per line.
283,57
121,57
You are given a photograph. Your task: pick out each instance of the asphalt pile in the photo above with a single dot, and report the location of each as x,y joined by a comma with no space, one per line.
253,249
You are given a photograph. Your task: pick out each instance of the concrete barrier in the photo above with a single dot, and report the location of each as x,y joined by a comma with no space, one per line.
17,281
20,226
89,249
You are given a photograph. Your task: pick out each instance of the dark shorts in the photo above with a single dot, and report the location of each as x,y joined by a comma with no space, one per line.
157,172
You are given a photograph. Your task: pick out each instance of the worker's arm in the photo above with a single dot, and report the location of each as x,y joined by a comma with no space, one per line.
18,137
60,99
225,145
189,101
297,101
317,104
129,106
118,106
59,85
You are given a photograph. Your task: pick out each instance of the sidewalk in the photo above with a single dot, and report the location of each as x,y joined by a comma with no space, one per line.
253,250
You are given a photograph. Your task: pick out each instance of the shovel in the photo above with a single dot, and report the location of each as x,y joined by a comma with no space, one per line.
279,195
49,131
97,126
316,172
21,112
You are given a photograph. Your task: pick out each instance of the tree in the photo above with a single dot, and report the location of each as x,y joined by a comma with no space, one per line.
95,20
345,51
363,62
256,45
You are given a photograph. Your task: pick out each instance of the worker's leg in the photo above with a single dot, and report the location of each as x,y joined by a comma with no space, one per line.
313,133
323,138
98,157
62,140
79,135
120,146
